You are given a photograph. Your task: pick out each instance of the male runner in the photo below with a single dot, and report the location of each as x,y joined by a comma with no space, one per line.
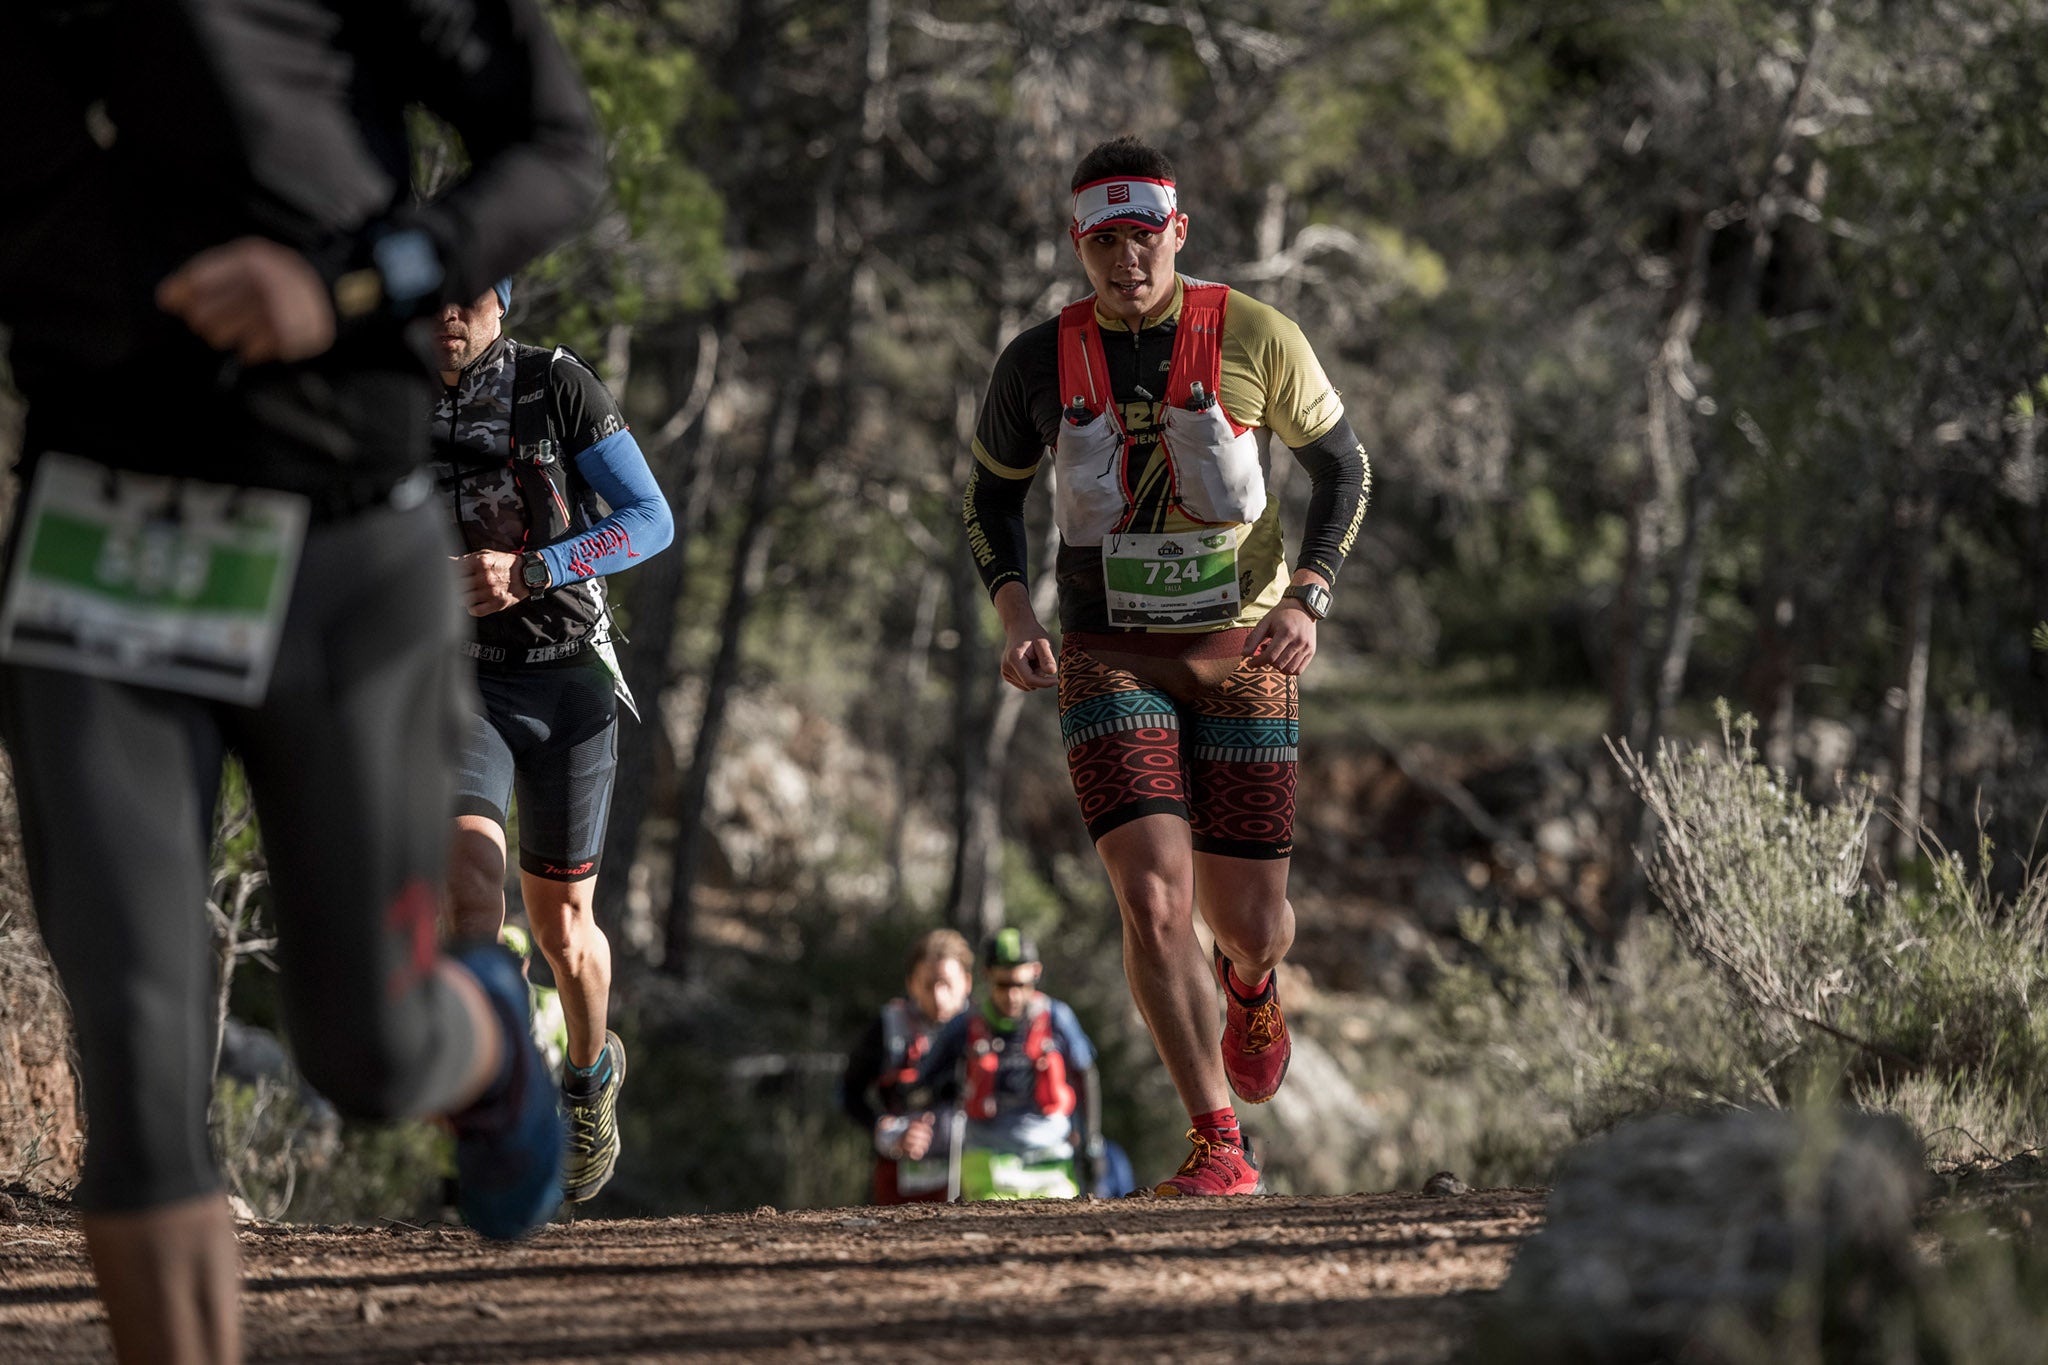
912,1152
525,438
1183,630
1023,1073
208,261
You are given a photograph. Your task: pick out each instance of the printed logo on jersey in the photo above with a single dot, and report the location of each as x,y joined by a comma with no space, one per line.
1149,475
587,551
1319,412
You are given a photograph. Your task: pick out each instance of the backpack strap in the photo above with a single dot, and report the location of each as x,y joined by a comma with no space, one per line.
1198,346
1084,370
537,462
1037,1027
896,1032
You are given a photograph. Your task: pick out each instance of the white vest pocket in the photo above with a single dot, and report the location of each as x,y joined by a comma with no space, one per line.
1215,469
1088,497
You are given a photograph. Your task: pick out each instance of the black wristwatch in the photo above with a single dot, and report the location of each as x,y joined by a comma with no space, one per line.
1314,597
533,572
400,273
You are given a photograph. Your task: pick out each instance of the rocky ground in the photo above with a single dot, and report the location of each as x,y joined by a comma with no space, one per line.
1386,1277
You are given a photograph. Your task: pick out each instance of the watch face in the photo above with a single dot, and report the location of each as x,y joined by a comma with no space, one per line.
535,573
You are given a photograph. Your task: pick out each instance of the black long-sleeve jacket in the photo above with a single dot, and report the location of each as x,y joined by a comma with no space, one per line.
136,133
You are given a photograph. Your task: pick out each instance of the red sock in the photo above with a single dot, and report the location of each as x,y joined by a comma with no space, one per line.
1219,1125
1244,992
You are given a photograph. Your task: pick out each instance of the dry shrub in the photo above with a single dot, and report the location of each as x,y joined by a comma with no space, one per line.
1777,973
1911,997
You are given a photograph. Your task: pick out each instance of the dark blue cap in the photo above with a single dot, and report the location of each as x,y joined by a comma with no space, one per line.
503,289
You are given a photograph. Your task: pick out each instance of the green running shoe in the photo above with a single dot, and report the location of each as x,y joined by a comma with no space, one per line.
594,1127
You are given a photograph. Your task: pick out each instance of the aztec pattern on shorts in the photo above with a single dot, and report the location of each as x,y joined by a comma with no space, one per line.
1233,779
1243,741
1123,744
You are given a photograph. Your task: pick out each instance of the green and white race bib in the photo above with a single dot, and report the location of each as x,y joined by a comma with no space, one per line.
169,583
1000,1175
1184,578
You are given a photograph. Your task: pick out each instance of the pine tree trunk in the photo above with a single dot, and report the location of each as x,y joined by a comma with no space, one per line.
1916,515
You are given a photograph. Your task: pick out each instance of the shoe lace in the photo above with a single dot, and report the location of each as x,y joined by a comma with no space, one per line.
586,1123
1207,1153
1262,1026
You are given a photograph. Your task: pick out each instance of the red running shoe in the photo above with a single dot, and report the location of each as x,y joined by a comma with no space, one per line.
1255,1044
1214,1167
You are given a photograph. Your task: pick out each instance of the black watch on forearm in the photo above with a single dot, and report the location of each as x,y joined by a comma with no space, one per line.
395,272
533,572
1314,598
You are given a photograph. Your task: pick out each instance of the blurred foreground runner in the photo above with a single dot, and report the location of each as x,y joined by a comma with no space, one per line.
526,440
1183,630
223,544
913,1154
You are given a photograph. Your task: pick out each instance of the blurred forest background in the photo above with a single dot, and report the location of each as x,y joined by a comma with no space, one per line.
1698,346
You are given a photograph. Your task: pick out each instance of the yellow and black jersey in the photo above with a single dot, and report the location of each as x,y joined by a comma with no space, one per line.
1270,378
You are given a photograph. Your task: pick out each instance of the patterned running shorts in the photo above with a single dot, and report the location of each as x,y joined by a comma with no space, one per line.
1182,725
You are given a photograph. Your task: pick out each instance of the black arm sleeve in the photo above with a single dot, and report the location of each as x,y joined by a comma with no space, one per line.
495,71
993,512
1017,424
856,1083
1340,484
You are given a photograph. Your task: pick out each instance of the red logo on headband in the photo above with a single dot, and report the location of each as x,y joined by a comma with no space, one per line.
1119,194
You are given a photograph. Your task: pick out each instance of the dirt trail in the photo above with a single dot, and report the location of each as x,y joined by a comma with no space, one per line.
1390,1277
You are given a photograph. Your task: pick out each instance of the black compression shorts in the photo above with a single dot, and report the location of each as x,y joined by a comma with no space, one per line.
551,734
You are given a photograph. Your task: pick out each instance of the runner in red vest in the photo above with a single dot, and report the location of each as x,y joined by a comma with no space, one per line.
1184,631
912,1160
1023,1073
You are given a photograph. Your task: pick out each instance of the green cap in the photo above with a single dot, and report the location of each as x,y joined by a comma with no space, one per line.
1009,948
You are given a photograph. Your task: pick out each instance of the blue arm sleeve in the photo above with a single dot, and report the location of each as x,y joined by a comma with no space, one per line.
1080,1052
639,526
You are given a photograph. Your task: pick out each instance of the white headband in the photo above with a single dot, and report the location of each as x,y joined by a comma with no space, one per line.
1150,204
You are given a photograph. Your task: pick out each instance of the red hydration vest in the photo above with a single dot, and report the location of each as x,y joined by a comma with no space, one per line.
1212,461
1197,349
1051,1091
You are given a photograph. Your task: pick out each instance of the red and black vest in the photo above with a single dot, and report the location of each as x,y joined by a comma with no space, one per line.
1213,458
1051,1092
906,1038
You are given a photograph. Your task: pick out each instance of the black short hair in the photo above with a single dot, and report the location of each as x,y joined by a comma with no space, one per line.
1124,155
